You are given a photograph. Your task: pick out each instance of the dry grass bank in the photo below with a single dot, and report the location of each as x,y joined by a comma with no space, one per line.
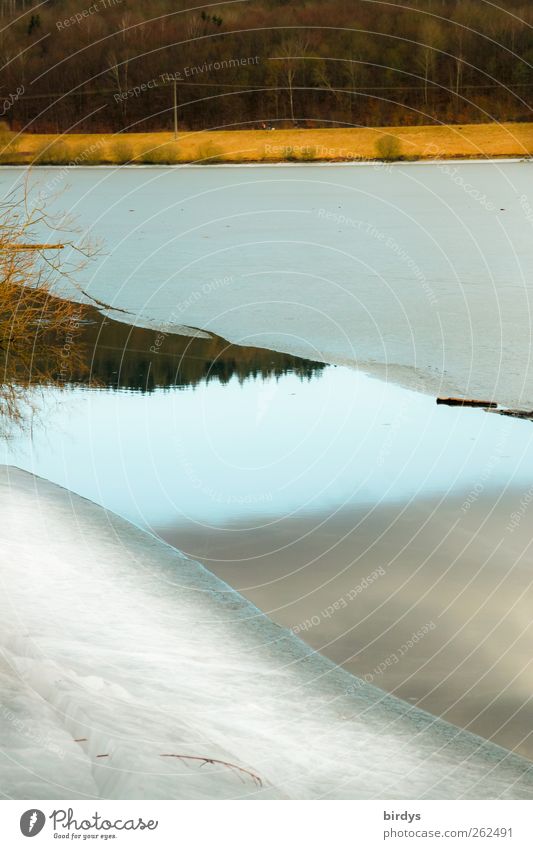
297,145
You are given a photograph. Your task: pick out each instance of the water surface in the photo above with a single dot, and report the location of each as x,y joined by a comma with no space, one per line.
353,511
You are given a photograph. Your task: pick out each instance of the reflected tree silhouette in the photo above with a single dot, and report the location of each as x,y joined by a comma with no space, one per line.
120,356
50,340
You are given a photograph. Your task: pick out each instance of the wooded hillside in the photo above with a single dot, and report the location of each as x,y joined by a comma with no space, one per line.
109,65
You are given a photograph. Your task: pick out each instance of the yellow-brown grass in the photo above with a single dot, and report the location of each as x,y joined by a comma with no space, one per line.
467,141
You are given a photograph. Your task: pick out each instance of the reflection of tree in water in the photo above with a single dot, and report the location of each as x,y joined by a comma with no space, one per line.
46,340
123,357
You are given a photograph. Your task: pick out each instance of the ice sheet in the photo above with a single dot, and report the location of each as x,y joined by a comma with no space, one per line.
114,640
421,273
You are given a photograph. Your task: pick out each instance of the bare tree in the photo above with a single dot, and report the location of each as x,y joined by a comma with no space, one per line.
118,71
38,326
292,53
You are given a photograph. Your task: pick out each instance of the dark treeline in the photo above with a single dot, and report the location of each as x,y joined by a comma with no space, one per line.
318,63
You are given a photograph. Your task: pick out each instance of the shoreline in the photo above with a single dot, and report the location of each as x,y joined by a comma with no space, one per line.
362,145
318,163
444,361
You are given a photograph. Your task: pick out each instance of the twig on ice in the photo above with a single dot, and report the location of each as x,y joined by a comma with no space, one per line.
205,760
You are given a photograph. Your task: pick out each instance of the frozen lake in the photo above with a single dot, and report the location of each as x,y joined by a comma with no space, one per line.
294,480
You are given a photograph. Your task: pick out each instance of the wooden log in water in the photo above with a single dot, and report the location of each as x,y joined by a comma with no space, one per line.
466,402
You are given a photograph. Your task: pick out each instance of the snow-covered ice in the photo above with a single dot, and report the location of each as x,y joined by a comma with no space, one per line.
117,649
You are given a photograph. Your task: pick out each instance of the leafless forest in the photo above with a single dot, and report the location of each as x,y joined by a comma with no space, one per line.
109,65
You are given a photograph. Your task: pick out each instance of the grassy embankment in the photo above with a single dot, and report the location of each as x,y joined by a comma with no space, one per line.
295,145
